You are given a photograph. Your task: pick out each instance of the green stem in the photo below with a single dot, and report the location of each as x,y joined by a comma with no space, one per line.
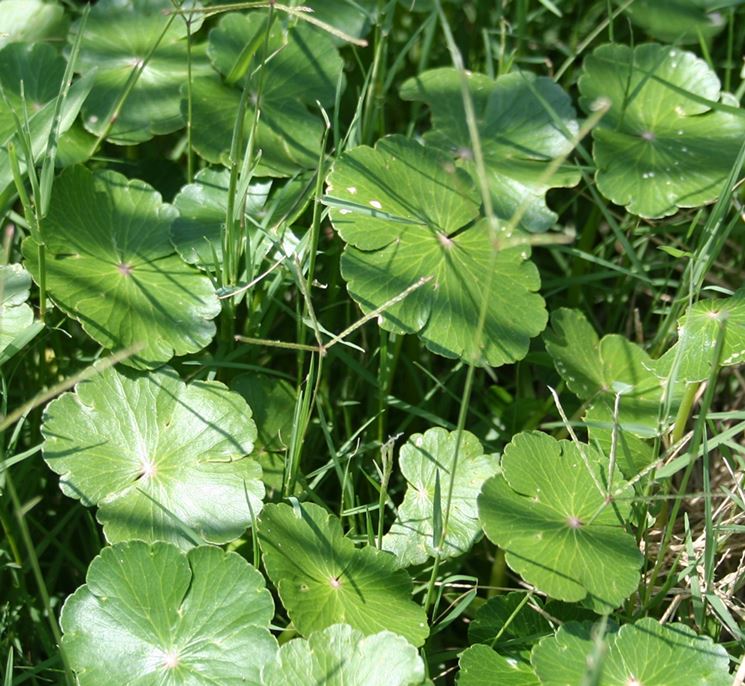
684,412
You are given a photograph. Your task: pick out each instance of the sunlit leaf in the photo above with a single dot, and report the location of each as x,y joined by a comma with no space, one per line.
111,265
162,460
659,147
548,510
408,214
343,656
423,460
154,615
324,579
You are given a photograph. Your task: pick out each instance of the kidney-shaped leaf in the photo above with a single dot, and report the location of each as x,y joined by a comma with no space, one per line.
425,460
160,458
646,653
323,579
524,123
300,66
343,656
408,214
659,147
548,512
111,265
691,359
118,36
153,615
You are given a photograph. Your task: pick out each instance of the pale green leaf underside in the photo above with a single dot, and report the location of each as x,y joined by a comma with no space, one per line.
154,615
657,149
162,460
343,656
400,207
110,264
421,460
524,122
323,579
118,36
549,516
481,666
646,652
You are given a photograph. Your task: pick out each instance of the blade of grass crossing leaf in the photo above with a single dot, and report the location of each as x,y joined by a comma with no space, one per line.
47,167
129,85
493,232
696,442
712,239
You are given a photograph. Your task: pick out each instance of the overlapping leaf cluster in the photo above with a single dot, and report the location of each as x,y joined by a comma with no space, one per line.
437,235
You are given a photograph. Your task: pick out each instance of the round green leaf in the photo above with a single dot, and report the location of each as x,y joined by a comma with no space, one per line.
481,666
679,21
110,264
118,36
408,214
645,653
549,513
153,615
301,65
659,147
691,359
524,123
343,656
162,460
323,579
30,21
427,461
15,315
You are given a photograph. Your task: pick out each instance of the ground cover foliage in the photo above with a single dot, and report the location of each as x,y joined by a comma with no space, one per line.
372,342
